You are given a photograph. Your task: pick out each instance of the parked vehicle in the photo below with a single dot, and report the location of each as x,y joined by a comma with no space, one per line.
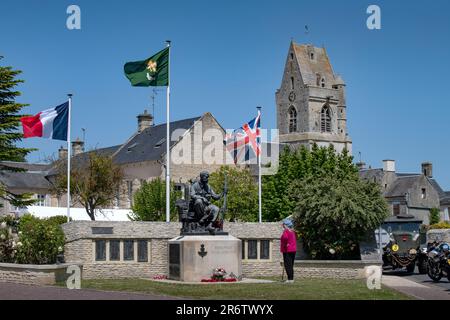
439,261
407,244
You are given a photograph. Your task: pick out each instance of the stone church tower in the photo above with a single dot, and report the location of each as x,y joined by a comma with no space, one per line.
311,104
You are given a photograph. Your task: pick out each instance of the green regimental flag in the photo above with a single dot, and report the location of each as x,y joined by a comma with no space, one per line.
152,72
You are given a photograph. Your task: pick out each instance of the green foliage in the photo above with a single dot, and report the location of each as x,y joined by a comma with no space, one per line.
435,216
30,240
94,183
58,220
41,240
150,202
440,225
277,201
242,200
334,213
9,130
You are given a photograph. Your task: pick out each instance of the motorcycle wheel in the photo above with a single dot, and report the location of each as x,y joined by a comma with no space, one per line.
434,272
423,266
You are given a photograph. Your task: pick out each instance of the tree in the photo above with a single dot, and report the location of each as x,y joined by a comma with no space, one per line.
9,134
150,201
242,200
277,202
334,213
94,181
435,216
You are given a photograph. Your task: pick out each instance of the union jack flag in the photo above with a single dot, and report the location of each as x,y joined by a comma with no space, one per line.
245,143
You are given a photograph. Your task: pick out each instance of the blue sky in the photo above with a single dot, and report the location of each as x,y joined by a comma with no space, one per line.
228,57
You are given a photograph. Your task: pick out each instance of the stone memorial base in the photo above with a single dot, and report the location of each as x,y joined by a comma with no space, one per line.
193,258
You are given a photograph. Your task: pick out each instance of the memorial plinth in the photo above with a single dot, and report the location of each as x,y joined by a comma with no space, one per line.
193,258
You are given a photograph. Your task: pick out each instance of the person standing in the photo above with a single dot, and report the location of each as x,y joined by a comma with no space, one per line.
288,247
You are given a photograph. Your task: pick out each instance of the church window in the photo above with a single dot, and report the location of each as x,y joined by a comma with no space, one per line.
322,83
318,77
311,55
292,120
325,119
292,56
292,83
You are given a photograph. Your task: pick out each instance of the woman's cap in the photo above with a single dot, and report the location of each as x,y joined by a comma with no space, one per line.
288,223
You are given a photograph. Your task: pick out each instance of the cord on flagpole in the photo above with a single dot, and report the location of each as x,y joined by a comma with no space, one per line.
68,156
168,140
259,169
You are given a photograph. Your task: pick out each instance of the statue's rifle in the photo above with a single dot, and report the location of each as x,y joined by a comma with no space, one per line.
223,210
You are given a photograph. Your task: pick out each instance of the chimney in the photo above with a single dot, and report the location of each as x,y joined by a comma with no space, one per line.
427,169
361,165
77,147
389,165
145,120
62,153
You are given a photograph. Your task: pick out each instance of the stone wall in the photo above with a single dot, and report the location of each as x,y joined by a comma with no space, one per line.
33,274
80,247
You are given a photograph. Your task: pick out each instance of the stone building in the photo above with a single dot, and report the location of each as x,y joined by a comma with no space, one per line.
196,144
310,103
407,193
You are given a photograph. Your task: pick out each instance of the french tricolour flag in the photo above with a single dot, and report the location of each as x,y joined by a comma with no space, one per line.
50,123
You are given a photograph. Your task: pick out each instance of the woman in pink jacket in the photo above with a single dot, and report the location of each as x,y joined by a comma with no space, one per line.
288,248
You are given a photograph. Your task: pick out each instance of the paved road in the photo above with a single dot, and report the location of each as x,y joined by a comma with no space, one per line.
12,291
419,285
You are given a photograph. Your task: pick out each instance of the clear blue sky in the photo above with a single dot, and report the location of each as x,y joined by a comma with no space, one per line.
228,57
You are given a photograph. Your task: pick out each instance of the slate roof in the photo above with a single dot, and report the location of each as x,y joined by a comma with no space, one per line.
311,67
34,167
24,180
369,174
401,186
150,144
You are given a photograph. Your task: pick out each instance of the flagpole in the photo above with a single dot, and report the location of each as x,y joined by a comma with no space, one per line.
168,140
259,171
68,157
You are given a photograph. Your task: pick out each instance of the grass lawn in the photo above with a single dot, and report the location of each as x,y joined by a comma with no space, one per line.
302,289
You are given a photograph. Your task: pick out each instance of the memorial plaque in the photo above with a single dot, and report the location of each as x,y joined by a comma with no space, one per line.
174,260
102,230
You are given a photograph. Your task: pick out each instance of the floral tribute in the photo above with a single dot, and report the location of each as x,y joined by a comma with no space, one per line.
219,275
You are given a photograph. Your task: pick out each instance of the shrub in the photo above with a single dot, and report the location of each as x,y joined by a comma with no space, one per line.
8,243
58,220
435,216
441,225
42,240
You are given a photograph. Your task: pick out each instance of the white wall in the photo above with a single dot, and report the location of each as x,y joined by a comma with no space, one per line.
78,213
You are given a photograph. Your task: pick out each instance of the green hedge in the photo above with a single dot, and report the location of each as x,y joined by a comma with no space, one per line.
30,240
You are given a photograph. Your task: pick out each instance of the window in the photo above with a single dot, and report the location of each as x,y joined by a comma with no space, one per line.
325,119
318,77
100,250
128,250
396,209
114,250
322,83
292,56
142,251
264,253
256,249
130,191
292,119
292,83
311,55
117,198
40,200
424,193
252,249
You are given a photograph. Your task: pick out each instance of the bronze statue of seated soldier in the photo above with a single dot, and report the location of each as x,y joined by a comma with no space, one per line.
198,215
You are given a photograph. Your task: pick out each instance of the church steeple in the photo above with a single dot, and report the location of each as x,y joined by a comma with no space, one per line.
311,103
